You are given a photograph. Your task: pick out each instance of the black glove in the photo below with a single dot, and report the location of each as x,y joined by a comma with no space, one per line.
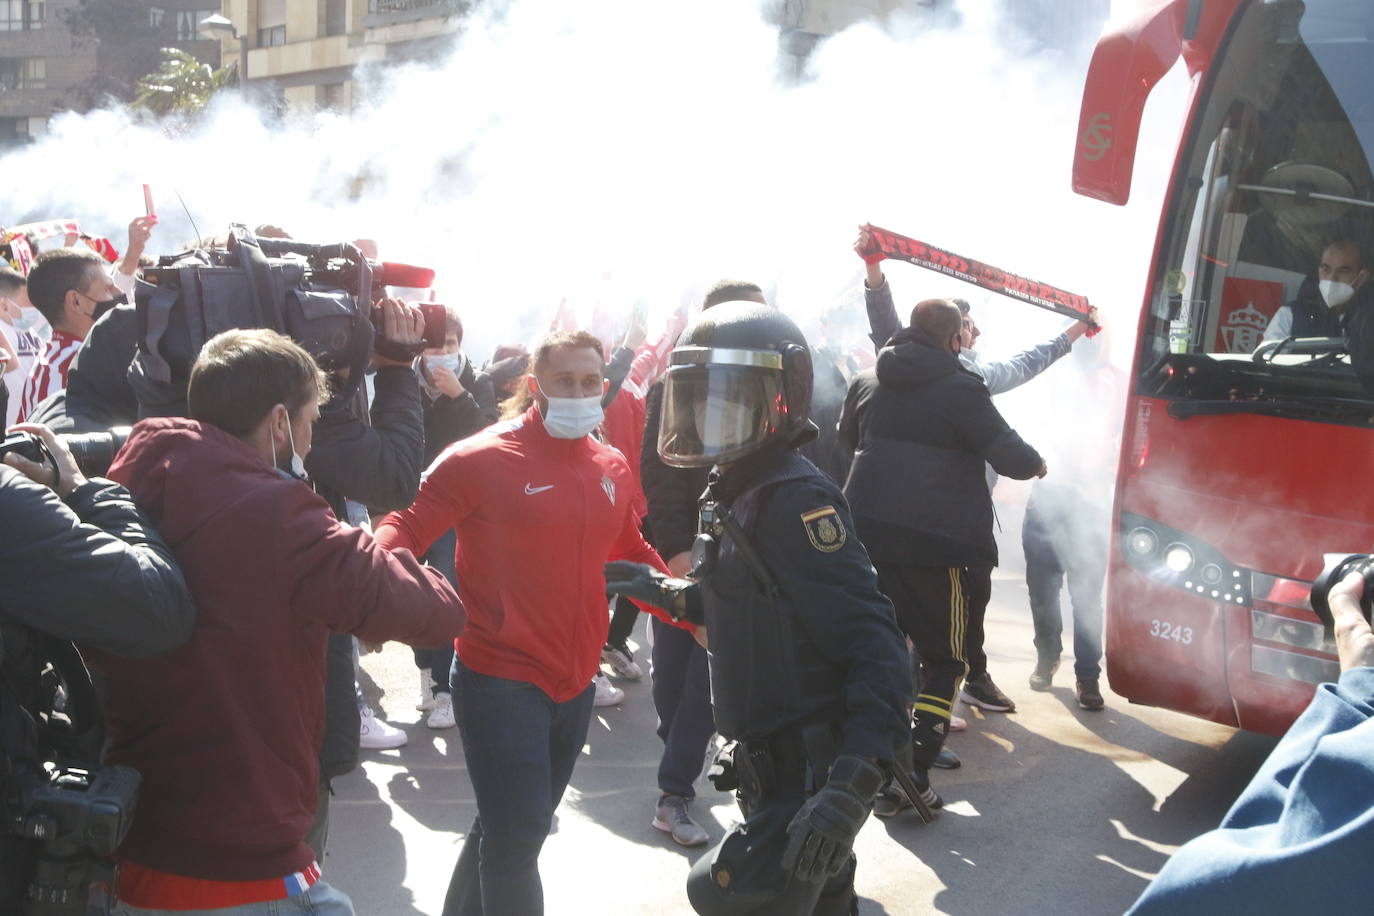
822,833
644,583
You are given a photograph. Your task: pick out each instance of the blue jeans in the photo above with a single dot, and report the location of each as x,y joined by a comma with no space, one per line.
682,698
1051,557
320,900
520,747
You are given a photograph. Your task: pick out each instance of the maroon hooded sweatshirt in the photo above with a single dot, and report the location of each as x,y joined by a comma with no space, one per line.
226,730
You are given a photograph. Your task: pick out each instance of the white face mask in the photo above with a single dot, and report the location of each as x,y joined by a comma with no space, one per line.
297,468
1336,293
572,418
453,362
28,319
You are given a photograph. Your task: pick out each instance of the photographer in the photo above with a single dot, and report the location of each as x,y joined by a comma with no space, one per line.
230,759
1303,828
78,561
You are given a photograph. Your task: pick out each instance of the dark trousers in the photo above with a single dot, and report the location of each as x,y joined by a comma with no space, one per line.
932,610
979,594
1049,560
520,747
743,874
439,660
623,616
682,698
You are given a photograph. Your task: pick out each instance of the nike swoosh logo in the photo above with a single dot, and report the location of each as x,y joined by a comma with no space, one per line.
530,491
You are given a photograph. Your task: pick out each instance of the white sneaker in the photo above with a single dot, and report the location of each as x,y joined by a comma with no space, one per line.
607,694
621,662
376,735
426,691
957,723
442,717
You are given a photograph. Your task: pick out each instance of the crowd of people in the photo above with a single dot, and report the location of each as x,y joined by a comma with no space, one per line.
509,521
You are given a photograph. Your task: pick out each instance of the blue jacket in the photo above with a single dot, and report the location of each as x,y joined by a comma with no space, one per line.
1300,837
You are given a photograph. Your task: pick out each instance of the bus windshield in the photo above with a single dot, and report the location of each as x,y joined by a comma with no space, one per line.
1259,300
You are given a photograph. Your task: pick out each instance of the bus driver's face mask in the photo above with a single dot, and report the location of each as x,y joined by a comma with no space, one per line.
571,418
1336,293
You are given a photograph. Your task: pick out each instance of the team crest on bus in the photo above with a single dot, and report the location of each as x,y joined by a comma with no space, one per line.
608,485
1244,329
824,528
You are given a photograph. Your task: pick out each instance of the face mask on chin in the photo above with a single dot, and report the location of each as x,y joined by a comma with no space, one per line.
1334,293
296,466
572,418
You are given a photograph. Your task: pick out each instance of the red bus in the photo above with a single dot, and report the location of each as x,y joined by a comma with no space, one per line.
1242,461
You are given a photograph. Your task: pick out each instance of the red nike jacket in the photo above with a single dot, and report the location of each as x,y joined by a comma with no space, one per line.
537,517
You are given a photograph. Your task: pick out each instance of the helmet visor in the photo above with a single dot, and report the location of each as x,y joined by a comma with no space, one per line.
717,413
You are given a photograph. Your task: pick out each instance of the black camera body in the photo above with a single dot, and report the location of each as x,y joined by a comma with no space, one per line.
73,816
321,296
94,452
1337,567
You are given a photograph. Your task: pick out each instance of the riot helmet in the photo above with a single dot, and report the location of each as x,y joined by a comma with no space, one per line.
738,380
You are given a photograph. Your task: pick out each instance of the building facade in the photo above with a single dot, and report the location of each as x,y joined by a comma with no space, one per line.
50,61
307,52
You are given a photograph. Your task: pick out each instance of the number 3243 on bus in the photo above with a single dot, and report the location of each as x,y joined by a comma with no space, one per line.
1166,630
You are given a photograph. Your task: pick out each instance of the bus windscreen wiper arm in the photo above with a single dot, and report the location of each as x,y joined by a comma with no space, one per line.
1182,410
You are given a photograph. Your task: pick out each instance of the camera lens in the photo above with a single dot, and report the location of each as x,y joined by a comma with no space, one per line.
1211,574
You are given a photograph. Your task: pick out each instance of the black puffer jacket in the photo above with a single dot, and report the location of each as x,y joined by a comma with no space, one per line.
921,427
88,569
377,464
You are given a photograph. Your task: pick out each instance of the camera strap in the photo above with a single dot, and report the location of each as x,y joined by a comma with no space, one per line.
260,275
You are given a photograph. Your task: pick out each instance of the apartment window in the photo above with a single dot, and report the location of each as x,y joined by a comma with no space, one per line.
20,15
188,23
271,23
156,16
14,130
23,73
335,17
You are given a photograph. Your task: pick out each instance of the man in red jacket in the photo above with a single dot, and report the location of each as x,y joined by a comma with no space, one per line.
226,730
539,506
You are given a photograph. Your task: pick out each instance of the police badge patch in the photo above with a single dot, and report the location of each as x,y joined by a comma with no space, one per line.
824,528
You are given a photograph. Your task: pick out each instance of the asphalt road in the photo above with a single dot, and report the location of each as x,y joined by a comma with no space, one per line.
1055,810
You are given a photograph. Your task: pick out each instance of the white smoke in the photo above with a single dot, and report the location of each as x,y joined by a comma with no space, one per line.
613,151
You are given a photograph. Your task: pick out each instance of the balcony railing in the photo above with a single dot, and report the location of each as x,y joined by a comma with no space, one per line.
387,12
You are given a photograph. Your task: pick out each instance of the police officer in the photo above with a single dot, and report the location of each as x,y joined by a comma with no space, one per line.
809,673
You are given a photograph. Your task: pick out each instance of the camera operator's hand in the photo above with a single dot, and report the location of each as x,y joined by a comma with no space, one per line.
401,324
1354,638
68,476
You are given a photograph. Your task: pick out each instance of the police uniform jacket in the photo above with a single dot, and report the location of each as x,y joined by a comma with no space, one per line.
825,646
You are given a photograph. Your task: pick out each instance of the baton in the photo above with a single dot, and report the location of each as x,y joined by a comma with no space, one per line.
983,275
904,780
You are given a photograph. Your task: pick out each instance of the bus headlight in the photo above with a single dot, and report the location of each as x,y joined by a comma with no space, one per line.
1178,558
1142,542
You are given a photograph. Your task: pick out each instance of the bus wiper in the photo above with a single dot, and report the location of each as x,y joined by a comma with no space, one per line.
1300,346
1311,406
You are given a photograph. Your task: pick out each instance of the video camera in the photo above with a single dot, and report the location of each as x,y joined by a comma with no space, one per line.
321,296
94,452
1337,567
74,816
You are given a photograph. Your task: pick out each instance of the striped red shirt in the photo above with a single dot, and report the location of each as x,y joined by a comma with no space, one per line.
48,374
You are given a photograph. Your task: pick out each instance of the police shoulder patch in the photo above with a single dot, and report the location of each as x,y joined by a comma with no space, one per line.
824,528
